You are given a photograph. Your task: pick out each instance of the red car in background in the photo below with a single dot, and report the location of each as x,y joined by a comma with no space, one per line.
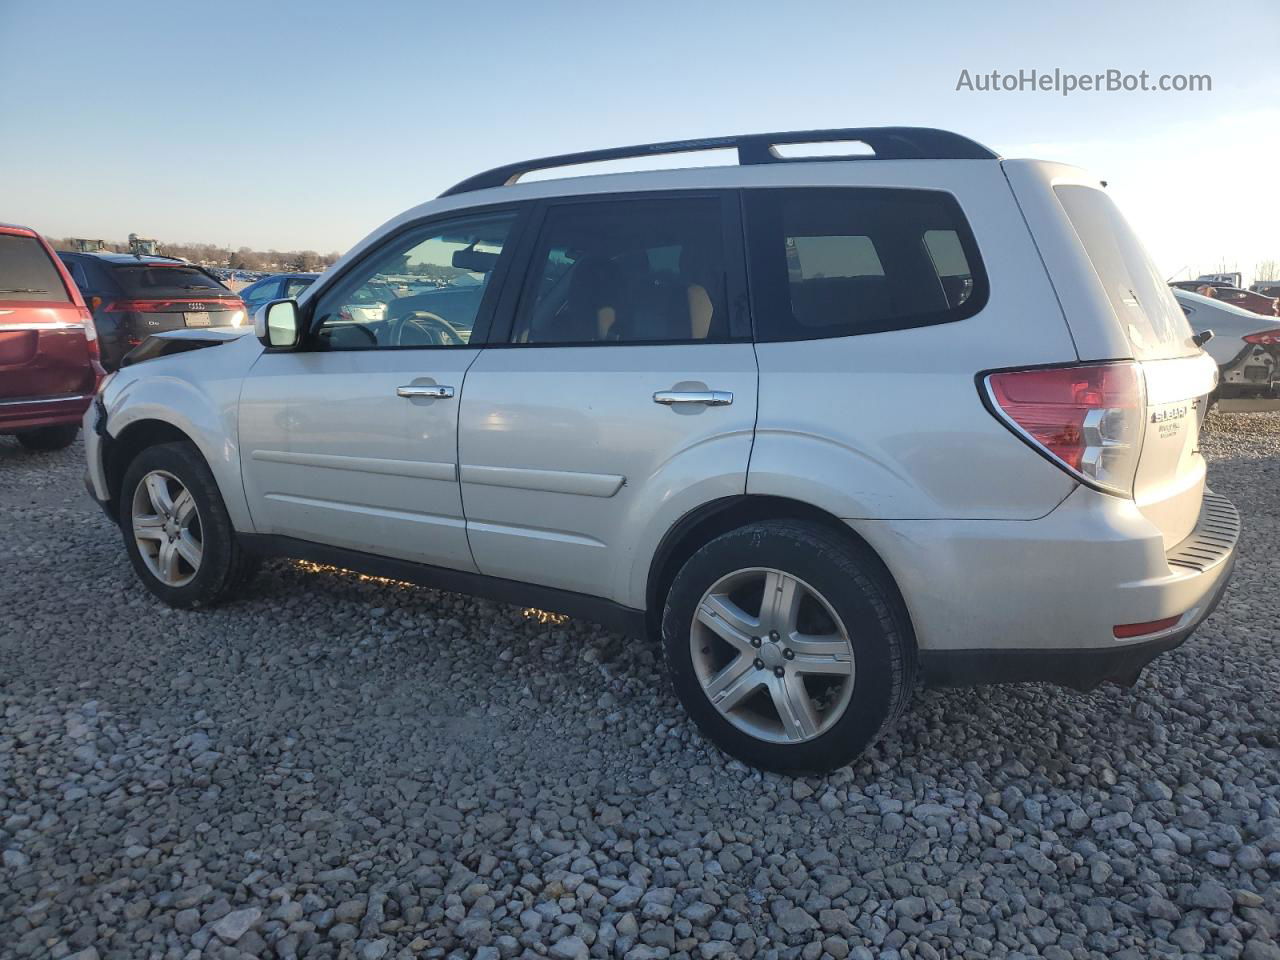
49,369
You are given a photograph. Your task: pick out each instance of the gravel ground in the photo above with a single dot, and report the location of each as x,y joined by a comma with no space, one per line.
338,766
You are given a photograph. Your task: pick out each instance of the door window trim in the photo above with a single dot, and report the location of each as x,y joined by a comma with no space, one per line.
483,326
520,274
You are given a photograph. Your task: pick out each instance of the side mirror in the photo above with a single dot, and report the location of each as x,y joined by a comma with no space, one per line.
276,324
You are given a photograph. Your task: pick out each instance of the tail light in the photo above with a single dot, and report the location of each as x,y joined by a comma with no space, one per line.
1088,419
1264,338
90,334
169,306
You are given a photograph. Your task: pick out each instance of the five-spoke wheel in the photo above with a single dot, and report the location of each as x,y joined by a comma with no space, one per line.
772,655
176,528
166,527
788,644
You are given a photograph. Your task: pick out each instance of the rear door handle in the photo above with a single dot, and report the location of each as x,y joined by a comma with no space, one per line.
710,398
435,391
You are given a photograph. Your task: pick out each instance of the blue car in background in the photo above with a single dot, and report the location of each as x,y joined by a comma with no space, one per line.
281,286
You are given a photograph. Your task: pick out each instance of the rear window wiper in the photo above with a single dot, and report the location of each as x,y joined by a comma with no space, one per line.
22,290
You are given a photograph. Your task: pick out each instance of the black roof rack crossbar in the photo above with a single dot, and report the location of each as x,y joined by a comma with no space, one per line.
887,143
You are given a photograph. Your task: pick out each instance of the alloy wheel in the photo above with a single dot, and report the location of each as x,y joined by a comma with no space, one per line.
166,528
772,655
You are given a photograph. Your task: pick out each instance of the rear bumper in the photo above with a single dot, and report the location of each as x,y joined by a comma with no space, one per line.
1003,601
1079,669
31,413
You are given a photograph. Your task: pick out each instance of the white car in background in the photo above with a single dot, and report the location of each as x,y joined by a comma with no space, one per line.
1246,348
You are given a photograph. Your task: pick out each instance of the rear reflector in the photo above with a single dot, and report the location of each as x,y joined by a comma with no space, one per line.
1087,419
1265,338
1126,631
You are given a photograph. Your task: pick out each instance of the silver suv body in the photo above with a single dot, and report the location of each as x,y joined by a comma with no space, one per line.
824,424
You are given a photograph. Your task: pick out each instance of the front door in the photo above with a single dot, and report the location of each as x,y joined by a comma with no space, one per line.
623,388
352,440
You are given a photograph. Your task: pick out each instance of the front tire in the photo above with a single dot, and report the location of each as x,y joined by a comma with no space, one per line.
787,644
49,438
176,529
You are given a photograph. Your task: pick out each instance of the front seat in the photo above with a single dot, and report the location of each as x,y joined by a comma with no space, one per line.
590,311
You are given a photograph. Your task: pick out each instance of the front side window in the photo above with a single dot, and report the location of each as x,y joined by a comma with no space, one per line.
424,289
834,262
626,271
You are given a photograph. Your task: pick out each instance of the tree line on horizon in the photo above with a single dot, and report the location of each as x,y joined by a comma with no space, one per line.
213,255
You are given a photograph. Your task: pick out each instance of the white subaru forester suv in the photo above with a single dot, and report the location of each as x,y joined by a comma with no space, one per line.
824,424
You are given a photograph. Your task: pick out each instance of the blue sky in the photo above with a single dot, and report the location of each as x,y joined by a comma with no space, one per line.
307,124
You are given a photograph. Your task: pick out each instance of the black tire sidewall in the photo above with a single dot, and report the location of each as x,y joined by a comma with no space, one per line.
855,590
184,461
50,438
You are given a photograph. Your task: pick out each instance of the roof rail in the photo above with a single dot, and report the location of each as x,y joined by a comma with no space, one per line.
887,143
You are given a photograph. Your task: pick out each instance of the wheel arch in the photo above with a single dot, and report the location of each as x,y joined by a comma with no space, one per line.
121,450
709,520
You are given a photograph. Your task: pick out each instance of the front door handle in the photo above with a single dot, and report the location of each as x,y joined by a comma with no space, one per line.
710,398
432,390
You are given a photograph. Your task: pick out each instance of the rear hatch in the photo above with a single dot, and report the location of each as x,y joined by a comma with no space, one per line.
1152,329
161,296
44,334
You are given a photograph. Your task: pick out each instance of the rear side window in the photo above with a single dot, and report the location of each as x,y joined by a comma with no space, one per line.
627,271
26,272
1148,313
149,280
838,262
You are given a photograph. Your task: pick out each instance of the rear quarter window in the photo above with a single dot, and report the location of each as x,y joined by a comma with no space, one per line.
1152,321
148,280
835,262
27,272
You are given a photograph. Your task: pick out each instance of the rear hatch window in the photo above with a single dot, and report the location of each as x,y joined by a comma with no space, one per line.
1150,317
27,273
153,280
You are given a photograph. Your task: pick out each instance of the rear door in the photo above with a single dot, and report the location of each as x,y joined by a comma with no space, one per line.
1118,306
627,382
44,351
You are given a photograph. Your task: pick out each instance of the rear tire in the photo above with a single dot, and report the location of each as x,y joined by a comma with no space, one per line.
49,438
804,690
177,531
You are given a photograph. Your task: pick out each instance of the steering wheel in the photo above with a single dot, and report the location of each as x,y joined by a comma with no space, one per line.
436,329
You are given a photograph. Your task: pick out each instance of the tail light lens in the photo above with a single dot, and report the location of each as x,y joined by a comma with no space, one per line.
170,306
90,334
1087,419
1264,338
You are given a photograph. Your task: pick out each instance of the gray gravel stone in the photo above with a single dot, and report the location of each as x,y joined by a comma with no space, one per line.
371,771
